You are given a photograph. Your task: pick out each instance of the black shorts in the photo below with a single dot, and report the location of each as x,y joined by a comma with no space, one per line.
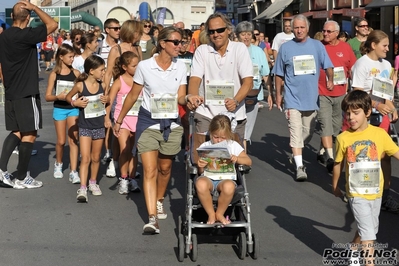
23,115
48,55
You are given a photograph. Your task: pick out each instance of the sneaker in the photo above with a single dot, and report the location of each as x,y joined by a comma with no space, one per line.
111,169
95,189
123,186
107,157
161,214
301,174
5,177
133,186
152,227
15,151
28,182
82,195
58,170
74,177
330,165
321,159
390,205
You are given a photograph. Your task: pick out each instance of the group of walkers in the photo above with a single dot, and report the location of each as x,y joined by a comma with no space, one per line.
139,88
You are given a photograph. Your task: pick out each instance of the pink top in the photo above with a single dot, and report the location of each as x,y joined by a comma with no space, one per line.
397,62
129,122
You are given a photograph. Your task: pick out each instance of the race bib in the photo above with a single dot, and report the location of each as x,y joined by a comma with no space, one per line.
255,71
304,65
339,76
134,111
364,177
95,107
143,45
217,91
65,87
383,88
164,106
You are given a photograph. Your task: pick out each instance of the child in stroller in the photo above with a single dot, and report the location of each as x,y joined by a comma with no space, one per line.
219,130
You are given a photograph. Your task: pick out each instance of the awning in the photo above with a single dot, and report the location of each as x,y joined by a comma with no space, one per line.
382,3
274,9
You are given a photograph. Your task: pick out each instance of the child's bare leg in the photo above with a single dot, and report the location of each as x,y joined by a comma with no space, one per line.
95,158
204,187
226,190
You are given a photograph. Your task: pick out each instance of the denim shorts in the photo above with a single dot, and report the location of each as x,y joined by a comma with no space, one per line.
60,114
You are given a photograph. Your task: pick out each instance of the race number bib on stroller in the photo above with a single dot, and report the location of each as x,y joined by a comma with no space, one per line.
164,106
304,65
217,91
64,87
364,177
95,107
339,76
383,88
134,111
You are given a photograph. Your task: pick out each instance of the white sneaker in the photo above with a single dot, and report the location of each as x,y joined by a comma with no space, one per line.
95,189
74,177
82,195
133,186
58,170
161,214
107,157
28,182
5,177
123,186
111,169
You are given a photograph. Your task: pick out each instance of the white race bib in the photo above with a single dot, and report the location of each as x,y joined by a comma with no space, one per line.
364,177
143,45
65,87
95,107
304,65
217,91
339,76
164,106
255,71
383,88
134,111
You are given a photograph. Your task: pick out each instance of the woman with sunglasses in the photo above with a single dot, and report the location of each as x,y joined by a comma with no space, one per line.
162,80
130,33
147,42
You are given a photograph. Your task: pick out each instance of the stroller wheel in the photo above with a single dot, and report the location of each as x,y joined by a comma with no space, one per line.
180,246
194,248
242,245
255,253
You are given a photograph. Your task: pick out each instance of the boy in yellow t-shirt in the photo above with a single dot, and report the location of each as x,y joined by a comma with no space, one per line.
362,146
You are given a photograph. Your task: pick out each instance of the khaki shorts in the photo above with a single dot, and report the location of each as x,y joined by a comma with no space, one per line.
152,140
301,125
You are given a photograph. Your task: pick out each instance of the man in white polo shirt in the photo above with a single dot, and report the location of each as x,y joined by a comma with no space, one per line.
227,67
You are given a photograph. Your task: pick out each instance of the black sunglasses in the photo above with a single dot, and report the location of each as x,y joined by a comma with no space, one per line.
114,28
220,30
147,26
363,26
257,34
175,42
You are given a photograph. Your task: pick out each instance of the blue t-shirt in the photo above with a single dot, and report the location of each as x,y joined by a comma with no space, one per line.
301,91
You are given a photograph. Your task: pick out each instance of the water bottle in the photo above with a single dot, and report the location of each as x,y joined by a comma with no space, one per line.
2,98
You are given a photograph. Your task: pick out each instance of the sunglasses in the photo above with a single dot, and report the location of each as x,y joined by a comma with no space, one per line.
256,34
363,26
220,30
115,28
175,42
147,26
328,31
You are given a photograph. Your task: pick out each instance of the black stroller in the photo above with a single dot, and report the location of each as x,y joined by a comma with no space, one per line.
193,224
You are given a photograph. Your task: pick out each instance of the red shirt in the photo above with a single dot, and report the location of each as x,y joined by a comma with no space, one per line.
341,55
48,44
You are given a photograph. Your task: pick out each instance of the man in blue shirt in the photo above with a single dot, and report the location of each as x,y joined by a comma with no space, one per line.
298,64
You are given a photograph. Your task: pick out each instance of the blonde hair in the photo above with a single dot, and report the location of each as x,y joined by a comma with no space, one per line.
221,123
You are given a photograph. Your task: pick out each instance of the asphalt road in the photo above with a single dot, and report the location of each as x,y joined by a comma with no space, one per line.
295,222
